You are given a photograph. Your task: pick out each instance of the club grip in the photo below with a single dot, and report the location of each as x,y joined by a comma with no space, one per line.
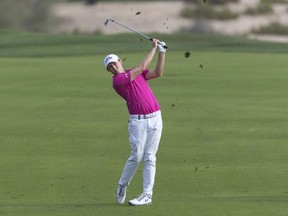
166,47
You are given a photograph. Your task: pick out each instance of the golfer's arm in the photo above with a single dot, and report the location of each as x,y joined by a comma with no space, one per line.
159,69
144,65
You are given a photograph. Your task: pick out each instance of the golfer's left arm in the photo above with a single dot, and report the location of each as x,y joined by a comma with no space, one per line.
159,68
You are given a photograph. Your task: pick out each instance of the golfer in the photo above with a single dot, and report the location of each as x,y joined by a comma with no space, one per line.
145,122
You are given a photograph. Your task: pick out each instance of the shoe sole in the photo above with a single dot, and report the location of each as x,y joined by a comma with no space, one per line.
140,205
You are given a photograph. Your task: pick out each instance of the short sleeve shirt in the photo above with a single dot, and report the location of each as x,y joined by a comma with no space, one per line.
139,97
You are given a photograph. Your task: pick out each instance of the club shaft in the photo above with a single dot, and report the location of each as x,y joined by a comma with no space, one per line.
139,33
143,35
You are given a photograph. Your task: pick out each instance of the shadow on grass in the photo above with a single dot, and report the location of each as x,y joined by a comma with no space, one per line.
63,205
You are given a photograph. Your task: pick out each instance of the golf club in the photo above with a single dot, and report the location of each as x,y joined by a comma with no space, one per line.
143,35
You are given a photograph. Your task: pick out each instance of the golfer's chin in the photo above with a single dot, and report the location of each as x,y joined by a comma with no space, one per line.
118,72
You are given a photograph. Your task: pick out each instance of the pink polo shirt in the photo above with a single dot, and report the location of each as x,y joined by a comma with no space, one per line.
137,93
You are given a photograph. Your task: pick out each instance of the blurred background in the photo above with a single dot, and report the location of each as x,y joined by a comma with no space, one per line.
260,19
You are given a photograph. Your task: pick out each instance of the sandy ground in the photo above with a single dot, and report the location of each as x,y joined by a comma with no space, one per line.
160,16
154,17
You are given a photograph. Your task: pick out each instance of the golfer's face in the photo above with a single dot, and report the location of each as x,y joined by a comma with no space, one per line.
114,67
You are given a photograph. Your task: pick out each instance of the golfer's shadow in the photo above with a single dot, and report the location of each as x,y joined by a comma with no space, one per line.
114,204
96,205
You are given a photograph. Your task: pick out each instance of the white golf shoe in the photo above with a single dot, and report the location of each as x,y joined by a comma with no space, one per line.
143,199
121,194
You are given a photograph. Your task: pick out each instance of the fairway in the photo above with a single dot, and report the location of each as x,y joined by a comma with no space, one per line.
64,139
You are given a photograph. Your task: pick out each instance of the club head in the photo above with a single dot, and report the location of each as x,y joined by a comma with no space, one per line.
106,22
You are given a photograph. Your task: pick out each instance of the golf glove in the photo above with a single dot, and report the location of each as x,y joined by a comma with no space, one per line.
160,47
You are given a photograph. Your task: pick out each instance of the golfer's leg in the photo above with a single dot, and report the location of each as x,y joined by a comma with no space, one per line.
153,140
137,138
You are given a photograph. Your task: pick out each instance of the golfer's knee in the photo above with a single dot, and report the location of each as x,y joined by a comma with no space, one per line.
136,157
151,159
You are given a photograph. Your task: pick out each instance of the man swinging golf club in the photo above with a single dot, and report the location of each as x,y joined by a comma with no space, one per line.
145,122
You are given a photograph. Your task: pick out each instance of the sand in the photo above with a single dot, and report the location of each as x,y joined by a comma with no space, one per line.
161,17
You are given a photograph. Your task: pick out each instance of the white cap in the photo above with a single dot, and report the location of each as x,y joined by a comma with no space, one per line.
110,58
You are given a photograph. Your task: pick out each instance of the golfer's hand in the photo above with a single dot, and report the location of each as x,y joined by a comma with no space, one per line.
160,47
155,43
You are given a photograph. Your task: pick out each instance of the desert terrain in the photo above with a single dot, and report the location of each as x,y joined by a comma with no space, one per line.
161,17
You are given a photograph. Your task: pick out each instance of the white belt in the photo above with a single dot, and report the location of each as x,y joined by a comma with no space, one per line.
146,116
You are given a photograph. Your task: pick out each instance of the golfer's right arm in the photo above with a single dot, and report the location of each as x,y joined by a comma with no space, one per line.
146,62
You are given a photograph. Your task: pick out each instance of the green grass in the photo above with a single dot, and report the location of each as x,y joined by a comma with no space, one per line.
272,29
26,44
64,136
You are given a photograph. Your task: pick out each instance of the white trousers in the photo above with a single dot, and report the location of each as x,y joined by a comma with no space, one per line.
144,136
